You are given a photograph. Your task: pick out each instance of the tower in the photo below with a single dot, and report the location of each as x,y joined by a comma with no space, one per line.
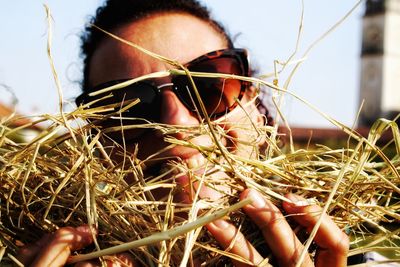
380,61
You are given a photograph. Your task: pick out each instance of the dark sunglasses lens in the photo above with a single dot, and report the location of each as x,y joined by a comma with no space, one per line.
219,95
147,108
116,103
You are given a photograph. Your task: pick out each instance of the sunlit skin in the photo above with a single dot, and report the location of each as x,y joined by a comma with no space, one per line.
183,37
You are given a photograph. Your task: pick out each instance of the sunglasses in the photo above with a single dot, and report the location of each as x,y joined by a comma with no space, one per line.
219,95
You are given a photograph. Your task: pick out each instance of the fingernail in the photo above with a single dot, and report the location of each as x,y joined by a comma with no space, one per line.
258,201
222,224
298,200
85,229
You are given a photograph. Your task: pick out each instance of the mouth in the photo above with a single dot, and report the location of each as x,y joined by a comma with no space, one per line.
177,165
192,178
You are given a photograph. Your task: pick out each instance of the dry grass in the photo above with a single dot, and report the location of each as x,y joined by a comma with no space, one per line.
54,181
66,177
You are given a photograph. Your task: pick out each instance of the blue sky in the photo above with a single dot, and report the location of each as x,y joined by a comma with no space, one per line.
328,78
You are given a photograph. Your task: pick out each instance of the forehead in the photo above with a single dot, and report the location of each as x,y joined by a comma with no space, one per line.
177,36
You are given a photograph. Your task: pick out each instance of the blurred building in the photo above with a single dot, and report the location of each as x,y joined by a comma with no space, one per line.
380,61
379,77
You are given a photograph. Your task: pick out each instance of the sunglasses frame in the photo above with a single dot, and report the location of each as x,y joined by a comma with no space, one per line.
237,53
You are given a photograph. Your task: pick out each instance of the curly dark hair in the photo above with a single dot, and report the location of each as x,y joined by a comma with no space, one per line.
115,13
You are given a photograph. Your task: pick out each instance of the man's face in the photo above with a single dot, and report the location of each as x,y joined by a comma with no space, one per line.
180,37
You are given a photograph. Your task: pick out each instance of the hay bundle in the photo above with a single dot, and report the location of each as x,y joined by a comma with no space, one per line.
55,181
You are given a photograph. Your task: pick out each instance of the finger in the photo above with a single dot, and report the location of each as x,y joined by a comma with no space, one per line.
119,260
87,264
60,245
27,253
278,234
232,240
332,242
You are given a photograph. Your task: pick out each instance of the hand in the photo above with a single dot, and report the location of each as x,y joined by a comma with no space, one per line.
333,244
54,249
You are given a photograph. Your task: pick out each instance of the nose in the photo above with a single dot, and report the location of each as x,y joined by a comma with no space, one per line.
174,112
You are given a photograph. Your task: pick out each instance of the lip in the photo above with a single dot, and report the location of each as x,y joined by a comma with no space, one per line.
153,144
188,186
191,158
156,154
